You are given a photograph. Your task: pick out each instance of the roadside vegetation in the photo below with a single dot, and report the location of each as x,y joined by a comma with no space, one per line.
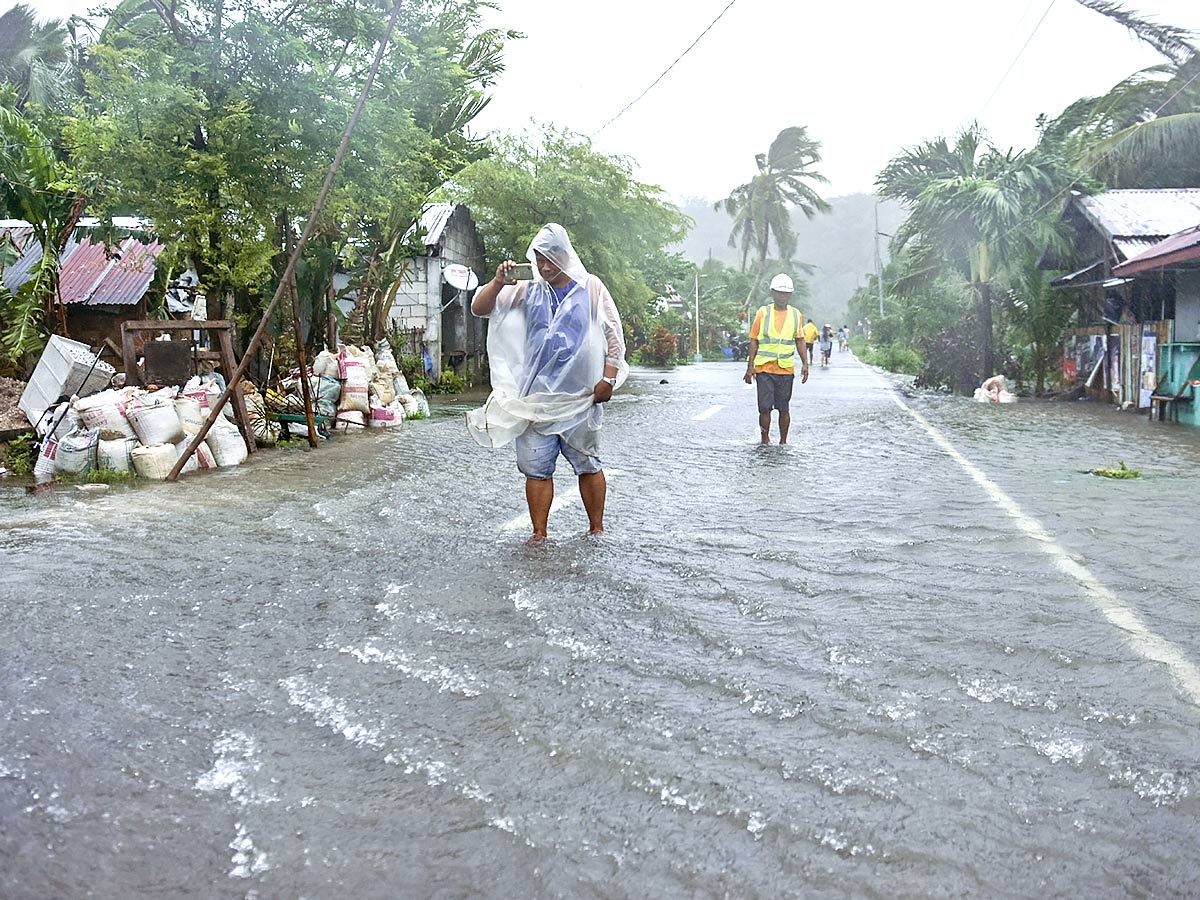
967,291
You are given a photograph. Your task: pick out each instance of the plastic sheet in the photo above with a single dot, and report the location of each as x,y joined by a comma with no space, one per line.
545,364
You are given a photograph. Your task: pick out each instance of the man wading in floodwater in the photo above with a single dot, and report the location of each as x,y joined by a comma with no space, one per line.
556,352
775,340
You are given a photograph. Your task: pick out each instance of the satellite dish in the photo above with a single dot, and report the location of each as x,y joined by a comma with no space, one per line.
460,277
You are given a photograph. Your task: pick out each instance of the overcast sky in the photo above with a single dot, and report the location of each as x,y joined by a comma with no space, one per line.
868,77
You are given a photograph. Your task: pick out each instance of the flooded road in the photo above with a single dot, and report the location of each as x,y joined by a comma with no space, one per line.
846,667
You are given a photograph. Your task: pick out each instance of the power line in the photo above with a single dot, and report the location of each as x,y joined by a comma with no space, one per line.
1016,59
666,70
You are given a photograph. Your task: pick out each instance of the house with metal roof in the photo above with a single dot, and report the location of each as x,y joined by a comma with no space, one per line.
1175,260
433,299
1124,319
99,285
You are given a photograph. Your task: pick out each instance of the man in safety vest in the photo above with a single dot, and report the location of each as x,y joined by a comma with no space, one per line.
776,339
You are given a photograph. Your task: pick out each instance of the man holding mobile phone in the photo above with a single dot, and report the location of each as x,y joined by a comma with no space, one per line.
557,353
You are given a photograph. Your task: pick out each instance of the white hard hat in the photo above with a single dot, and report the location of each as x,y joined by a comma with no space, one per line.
781,283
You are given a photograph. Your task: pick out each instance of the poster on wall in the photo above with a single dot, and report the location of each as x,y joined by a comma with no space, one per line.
1149,369
1083,354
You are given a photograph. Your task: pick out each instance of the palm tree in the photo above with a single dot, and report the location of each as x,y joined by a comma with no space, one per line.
33,57
1145,132
761,208
975,208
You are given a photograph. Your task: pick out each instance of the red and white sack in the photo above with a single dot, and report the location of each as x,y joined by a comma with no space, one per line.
155,422
43,469
386,416
106,413
355,383
227,444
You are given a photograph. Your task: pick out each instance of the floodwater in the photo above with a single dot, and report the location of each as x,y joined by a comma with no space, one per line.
838,668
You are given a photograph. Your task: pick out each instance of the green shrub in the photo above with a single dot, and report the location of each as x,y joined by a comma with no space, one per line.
21,456
659,350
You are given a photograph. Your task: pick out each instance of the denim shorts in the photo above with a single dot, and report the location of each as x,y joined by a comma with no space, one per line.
537,455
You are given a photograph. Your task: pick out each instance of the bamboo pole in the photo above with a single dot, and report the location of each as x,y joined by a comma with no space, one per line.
301,353
290,271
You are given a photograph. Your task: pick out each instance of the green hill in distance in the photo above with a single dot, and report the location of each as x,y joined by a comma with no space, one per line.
840,245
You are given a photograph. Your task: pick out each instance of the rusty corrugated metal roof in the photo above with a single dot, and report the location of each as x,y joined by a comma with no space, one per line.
433,222
1179,249
91,276
1133,220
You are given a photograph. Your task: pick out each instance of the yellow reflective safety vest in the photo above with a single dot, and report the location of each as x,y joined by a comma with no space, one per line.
778,346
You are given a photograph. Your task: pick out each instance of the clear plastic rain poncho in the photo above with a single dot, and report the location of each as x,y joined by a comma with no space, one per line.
545,363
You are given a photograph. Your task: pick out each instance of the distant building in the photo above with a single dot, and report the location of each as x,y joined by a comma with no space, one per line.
1123,320
432,309
99,286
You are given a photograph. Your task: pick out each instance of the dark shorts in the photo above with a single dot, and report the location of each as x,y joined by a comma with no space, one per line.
774,391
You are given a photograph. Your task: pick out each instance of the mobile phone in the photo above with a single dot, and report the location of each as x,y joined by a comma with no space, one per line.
521,272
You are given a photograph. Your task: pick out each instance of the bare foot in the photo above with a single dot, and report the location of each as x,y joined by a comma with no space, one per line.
765,439
595,531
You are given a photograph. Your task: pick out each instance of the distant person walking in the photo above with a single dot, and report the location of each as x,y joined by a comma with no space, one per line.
826,345
843,338
810,338
776,337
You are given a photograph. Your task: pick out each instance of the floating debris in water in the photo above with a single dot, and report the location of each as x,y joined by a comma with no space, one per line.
1121,472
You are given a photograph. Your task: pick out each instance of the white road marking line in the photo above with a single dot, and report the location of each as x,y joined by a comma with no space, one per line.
561,501
1141,639
708,413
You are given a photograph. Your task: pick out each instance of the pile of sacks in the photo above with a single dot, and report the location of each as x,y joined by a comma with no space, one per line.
136,431
373,392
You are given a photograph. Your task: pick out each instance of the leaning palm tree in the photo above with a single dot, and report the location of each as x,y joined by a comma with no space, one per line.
33,57
761,208
975,208
1145,132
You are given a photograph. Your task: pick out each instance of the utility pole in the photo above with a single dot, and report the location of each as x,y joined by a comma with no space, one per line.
699,355
878,261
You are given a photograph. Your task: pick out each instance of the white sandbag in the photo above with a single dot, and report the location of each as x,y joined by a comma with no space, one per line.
326,365
385,360
191,412
422,403
412,409
114,455
156,422
400,383
207,391
77,452
227,445
201,459
351,420
106,411
155,461
386,416
384,389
